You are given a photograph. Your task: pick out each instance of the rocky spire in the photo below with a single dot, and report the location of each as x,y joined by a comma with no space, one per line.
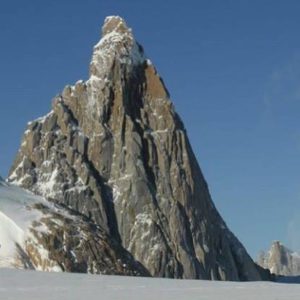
117,45
114,150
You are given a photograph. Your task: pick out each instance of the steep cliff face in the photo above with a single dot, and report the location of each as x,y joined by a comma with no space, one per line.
280,260
114,150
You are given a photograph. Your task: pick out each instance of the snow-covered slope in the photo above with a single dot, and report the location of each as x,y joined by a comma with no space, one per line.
16,216
38,234
18,284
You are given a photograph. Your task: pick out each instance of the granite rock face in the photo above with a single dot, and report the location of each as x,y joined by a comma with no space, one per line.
113,150
280,260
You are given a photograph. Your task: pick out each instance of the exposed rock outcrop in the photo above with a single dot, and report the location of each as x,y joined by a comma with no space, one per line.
113,150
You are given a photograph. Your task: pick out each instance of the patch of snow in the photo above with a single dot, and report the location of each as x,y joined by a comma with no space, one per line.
77,189
116,193
143,218
12,178
160,131
124,177
206,248
46,185
80,81
43,119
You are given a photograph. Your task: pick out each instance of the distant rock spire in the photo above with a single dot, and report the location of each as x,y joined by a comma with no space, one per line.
280,260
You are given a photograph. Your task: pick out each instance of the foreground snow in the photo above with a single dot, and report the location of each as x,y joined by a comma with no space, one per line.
17,284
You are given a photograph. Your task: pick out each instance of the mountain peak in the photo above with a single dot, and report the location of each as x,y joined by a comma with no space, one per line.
117,45
114,151
277,245
115,24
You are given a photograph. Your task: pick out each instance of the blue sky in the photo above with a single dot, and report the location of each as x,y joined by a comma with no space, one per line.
233,71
